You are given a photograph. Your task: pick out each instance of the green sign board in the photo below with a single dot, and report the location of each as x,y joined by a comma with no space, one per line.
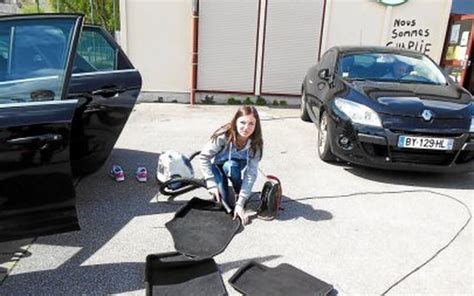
392,2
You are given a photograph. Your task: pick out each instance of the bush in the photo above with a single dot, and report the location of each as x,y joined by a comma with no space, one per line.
283,103
208,100
248,101
233,101
261,101
275,103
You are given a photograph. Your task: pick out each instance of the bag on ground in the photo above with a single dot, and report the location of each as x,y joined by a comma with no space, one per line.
270,199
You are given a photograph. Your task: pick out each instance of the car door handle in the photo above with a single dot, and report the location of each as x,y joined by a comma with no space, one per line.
46,138
108,92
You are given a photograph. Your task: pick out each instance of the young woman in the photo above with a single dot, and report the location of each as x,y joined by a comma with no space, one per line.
234,152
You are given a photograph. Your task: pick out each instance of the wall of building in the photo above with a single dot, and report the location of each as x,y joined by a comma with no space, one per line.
417,24
156,35
9,7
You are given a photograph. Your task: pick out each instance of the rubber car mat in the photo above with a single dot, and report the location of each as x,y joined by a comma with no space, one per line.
175,274
255,279
202,229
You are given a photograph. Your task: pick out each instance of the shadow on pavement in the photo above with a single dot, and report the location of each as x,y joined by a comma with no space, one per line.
104,208
100,279
291,209
421,179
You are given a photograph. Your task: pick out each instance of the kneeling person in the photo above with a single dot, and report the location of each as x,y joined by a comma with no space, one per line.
234,148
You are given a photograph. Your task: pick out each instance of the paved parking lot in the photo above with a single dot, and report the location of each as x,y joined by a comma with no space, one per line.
362,230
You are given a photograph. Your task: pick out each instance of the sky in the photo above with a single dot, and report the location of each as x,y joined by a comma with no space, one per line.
462,6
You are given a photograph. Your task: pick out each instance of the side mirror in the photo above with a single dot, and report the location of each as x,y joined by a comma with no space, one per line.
324,74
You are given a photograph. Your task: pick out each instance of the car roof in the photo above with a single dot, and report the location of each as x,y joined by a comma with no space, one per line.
381,49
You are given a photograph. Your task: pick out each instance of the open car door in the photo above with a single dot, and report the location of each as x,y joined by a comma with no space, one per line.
37,195
106,85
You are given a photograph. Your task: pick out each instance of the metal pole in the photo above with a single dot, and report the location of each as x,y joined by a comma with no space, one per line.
57,6
194,62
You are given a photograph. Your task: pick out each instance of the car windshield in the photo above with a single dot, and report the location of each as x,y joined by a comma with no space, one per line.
33,58
389,67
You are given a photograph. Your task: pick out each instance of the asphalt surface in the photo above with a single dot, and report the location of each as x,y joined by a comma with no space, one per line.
365,231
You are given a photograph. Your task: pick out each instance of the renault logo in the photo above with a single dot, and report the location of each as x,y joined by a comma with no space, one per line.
427,115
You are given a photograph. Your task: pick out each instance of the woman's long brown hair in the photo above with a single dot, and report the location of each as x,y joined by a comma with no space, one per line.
230,130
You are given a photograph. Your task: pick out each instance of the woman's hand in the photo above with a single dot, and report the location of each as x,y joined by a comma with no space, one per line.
215,192
240,212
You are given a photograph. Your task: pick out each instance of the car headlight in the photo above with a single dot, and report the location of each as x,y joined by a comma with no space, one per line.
358,113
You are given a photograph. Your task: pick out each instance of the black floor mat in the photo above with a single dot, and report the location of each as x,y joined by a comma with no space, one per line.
255,279
202,229
175,274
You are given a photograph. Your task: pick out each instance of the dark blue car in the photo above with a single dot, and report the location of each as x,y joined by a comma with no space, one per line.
66,92
389,108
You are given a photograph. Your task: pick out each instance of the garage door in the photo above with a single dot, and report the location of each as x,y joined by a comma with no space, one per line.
291,43
227,45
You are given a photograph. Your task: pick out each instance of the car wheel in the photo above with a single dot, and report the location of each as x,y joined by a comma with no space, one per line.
324,144
303,111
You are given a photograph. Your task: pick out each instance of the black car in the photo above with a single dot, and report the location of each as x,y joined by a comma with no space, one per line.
389,108
66,91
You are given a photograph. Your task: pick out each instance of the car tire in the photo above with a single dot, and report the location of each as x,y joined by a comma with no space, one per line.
303,111
324,144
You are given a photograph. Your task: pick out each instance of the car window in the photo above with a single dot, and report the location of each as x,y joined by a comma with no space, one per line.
94,53
33,59
390,67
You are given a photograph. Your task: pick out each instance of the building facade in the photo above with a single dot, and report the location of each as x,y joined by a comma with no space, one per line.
9,6
264,47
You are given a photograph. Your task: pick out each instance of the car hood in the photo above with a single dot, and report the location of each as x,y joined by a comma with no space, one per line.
444,101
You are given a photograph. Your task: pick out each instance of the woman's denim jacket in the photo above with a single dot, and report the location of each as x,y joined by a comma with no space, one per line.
217,151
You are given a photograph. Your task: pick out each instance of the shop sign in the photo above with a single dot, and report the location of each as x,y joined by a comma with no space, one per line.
409,34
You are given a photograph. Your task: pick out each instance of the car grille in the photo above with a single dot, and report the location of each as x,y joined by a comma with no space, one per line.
465,156
415,156
422,156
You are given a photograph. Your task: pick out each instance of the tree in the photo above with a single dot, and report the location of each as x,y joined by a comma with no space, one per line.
32,6
102,12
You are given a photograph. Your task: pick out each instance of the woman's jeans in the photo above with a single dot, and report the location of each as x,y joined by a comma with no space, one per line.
231,169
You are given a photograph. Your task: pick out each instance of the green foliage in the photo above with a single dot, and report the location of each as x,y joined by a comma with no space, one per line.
233,101
283,103
275,103
261,101
208,100
102,12
32,6
248,101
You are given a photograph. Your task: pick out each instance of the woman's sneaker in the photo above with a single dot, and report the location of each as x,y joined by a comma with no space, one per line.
141,174
117,173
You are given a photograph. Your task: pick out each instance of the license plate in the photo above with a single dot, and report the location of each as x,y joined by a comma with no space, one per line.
425,143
